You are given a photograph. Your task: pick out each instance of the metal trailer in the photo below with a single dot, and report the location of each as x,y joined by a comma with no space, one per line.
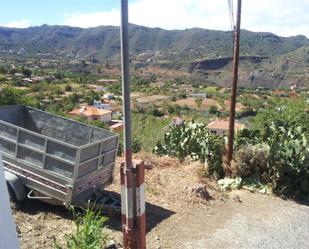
50,157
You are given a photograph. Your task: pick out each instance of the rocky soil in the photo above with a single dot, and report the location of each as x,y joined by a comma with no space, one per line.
183,212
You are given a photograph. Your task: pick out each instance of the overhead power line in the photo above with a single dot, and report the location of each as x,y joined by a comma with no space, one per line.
231,14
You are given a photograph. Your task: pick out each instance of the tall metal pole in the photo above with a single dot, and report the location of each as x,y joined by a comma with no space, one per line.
234,89
126,82
128,195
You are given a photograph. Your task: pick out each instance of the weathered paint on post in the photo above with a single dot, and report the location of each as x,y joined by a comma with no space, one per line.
133,213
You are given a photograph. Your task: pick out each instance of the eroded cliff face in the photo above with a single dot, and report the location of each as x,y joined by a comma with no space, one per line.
219,63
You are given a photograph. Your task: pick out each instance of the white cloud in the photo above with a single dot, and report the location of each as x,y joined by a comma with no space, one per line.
24,23
85,20
283,17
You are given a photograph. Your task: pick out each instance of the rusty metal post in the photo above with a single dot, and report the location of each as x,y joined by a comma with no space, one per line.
140,203
133,214
234,90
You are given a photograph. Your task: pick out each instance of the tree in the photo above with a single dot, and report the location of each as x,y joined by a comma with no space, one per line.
199,102
58,90
68,88
90,96
26,72
12,71
3,70
214,110
10,96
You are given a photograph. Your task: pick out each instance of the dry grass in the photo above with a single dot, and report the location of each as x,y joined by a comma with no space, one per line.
192,103
152,99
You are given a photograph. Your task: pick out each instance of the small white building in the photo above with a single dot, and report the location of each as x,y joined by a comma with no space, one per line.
198,95
97,88
294,87
221,127
102,104
92,113
108,96
176,121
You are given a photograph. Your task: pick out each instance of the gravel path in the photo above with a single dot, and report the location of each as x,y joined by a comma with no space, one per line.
260,222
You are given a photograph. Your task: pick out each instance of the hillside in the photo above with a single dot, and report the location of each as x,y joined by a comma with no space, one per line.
197,51
103,41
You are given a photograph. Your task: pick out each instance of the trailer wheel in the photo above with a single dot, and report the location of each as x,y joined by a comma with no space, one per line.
14,203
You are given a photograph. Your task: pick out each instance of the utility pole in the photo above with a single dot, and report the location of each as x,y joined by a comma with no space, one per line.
234,89
125,64
131,172
128,172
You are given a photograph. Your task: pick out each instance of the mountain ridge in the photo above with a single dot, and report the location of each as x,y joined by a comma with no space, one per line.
104,41
197,51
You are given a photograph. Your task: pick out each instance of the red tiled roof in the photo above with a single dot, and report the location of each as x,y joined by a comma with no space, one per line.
89,111
224,125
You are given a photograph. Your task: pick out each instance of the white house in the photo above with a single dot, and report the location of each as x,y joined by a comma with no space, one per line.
294,87
198,95
92,113
177,121
108,96
102,104
221,127
97,88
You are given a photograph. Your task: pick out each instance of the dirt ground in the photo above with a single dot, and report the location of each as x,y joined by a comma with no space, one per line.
183,212
191,102
152,99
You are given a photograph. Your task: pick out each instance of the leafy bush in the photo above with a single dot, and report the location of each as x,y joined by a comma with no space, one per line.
88,233
136,145
120,148
68,88
285,161
157,112
194,140
11,96
251,161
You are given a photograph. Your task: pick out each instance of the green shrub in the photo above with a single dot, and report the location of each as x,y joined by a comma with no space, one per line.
251,161
284,162
194,140
136,145
68,88
88,233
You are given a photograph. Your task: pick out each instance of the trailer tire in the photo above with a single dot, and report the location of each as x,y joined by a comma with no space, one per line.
16,186
14,203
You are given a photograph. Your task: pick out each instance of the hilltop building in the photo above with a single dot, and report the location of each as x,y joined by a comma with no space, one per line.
116,125
221,127
92,113
198,95
102,104
108,96
294,87
177,121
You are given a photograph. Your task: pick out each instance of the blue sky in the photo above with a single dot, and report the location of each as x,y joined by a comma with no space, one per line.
283,17
40,12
